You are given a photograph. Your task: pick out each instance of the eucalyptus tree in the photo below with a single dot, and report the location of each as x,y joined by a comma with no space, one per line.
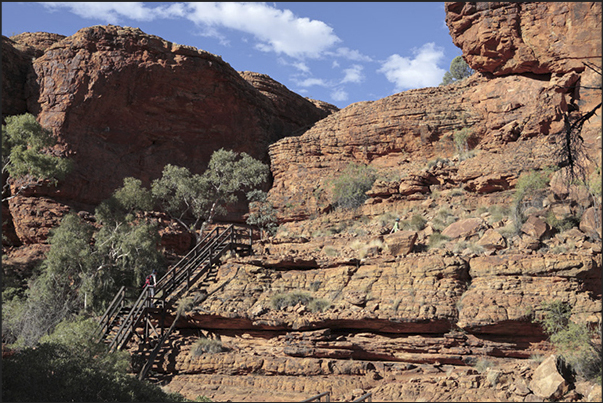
27,156
200,198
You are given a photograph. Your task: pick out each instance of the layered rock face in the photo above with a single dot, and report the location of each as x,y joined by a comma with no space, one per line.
409,322
537,37
407,316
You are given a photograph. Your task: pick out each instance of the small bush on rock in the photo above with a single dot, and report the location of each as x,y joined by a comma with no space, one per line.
349,188
436,240
579,345
204,345
281,301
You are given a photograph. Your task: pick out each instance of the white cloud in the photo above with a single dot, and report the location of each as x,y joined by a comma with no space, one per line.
278,31
309,82
299,65
114,12
350,54
420,72
339,95
275,30
353,74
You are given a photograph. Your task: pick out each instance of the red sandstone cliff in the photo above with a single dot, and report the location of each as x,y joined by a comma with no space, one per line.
407,321
124,103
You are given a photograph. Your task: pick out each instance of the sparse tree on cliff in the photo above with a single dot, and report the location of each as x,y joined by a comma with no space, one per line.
26,154
459,69
572,154
203,197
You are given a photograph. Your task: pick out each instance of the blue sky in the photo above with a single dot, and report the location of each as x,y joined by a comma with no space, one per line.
340,52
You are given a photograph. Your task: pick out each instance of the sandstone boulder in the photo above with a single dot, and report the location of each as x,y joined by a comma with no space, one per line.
34,217
547,382
463,228
535,227
528,243
400,243
590,223
492,240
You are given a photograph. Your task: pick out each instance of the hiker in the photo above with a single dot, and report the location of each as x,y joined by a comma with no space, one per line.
151,282
396,226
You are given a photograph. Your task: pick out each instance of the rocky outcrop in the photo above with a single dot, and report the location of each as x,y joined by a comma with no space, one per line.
537,37
123,103
17,54
421,123
296,114
34,44
402,315
15,67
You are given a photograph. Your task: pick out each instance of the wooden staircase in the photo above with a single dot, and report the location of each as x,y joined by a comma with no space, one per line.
124,320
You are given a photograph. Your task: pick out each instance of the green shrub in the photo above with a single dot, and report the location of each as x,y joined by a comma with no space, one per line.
461,138
457,192
436,240
472,246
330,251
386,218
349,188
417,222
319,305
498,213
204,345
281,301
527,191
67,366
185,305
573,341
561,224
482,364
24,153
444,217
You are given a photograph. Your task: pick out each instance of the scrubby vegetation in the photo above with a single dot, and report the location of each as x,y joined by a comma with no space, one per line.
27,155
528,192
281,301
578,344
67,366
349,188
205,345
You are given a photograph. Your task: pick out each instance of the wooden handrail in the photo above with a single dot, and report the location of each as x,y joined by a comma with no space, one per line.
129,324
108,316
190,268
155,352
318,397
368,397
